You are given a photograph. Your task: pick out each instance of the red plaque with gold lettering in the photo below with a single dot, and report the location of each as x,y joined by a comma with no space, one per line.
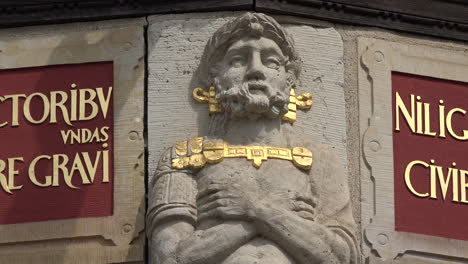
430,139
56,138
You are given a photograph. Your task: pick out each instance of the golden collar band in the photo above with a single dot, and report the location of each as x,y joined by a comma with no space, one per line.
215,152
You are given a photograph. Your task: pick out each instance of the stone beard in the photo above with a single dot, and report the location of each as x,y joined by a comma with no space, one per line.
240,102
232,212
244,102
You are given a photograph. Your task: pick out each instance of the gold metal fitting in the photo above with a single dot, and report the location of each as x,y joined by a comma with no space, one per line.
202,153
302,158
208,97
302,102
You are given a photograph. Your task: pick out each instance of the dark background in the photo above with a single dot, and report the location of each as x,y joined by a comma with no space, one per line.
441,18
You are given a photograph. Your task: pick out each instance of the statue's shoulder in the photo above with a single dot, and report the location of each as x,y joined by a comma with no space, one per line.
327,168
319,151
185,155
331,184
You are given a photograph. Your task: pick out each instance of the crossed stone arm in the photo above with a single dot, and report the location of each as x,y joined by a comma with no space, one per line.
285,218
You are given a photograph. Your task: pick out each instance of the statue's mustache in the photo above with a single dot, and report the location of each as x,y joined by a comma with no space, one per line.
244,92
253,97
257,86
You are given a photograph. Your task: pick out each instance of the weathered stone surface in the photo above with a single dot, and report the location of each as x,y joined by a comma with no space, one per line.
88,240
233,212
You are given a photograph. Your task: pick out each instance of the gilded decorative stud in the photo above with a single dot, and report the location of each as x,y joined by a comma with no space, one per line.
209,97
302,102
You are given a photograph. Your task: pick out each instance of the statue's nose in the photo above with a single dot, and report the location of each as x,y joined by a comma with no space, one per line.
255,70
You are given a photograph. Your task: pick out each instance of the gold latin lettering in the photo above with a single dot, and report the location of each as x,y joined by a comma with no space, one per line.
27,108
32,172
14,107
83,105
62,167
433,179
419,116
4,123
427,121
463,185
73,112
12,173
61,104
85,135
95,137
452,173
455,183
408,177
65,135
90,166
88,101
78,166
449,124
3,179
105,166
104,133
104,102
441,119
76,136
400,106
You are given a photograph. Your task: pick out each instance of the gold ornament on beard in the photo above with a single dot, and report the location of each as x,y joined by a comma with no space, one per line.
303,102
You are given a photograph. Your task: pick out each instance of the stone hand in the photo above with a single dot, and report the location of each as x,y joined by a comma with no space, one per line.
226,200
301,204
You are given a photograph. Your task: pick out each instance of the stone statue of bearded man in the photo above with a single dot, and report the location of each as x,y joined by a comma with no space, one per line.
208,204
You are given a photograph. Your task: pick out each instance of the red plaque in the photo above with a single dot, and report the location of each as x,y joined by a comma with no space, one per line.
430,155
56,137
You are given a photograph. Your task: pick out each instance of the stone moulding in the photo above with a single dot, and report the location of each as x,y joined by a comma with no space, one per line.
378,59
430,17
396,15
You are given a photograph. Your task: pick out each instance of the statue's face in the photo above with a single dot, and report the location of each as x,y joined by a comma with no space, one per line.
252,81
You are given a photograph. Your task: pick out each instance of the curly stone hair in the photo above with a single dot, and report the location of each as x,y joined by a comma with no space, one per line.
253,25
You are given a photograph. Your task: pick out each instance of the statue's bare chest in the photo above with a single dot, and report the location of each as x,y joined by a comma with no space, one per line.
273,175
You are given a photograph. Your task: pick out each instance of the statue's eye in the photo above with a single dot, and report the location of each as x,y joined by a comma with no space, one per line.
272,63
237,61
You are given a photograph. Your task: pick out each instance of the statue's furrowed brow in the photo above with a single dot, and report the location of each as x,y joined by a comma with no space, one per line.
273,51
234,50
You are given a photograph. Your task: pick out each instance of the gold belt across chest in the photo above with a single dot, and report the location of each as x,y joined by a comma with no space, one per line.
195,153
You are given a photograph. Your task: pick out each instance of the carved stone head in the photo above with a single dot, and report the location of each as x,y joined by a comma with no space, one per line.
252,63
